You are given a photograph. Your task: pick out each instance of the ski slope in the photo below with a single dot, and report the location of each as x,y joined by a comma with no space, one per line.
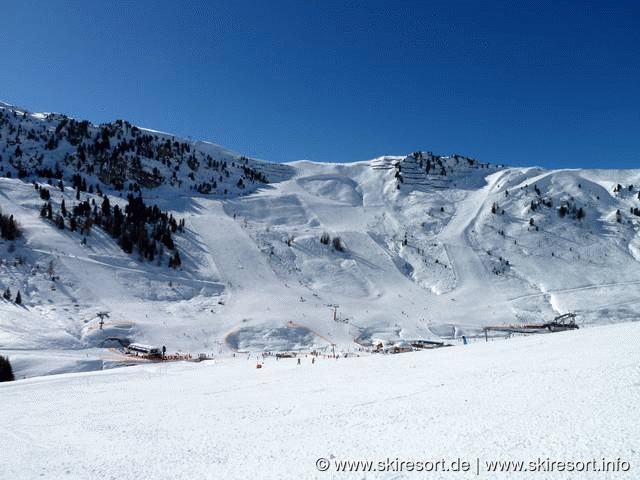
433,248
568,397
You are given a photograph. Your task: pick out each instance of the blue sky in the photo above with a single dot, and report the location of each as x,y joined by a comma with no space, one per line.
555,84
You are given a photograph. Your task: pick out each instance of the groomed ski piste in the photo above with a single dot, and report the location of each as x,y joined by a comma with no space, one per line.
431,249
548,406
419,262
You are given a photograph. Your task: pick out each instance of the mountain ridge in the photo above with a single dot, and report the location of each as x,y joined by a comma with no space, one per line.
298,256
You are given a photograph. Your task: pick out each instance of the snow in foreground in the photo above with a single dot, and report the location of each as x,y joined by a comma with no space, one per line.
566,397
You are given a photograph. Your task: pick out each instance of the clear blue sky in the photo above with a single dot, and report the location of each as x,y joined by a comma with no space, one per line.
555,84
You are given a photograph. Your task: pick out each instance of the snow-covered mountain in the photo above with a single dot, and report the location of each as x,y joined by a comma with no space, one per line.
299,256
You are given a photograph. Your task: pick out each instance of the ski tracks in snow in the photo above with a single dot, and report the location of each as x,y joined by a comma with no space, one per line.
465,261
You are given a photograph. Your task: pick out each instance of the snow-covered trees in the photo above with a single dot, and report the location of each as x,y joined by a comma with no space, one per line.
44,193
137,227
569,208
337,244
325,239
119,154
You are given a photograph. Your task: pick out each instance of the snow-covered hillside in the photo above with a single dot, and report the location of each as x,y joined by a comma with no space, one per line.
303,256
560,406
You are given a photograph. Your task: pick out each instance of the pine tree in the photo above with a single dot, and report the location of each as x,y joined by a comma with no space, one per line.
8,227
106,207
18,298
175,261
562,211
6,372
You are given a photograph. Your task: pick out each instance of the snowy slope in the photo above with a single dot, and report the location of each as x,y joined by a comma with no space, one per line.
433,248
570,397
